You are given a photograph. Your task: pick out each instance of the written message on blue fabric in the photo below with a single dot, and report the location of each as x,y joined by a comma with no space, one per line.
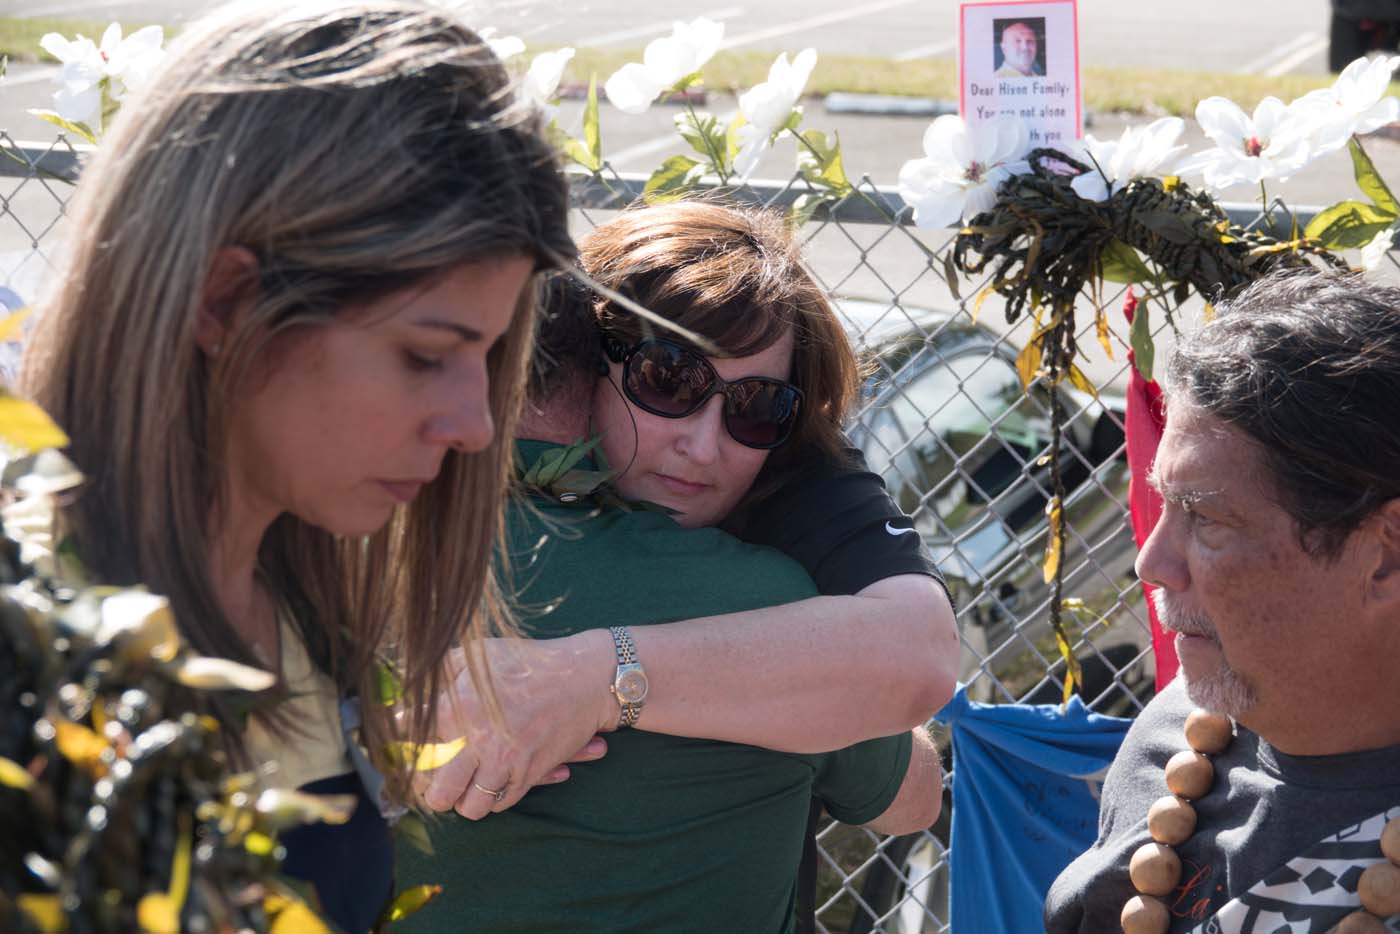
1026,786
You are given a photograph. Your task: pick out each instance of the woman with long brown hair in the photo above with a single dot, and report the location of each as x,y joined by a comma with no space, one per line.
289,346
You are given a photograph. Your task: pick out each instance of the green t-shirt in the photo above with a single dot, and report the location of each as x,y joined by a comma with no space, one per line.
664,833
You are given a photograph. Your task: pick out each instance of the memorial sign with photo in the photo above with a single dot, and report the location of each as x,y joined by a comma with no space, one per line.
1022,59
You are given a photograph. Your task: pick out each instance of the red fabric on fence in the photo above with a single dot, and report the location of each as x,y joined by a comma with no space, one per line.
1145,421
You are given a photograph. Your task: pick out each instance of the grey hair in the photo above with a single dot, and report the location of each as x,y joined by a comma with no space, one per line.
1307,365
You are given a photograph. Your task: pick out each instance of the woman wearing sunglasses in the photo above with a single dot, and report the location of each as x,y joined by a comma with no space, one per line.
746,434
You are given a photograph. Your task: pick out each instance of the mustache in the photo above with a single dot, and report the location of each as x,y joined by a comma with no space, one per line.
1175,618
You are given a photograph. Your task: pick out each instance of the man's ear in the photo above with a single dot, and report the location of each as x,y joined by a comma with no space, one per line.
232,275
1385,575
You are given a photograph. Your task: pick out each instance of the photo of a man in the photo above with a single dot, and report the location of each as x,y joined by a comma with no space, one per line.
1019,47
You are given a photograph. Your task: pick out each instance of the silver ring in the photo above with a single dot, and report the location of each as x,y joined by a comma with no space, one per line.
497,795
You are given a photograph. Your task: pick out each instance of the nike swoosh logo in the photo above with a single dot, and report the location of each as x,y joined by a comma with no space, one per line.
894,531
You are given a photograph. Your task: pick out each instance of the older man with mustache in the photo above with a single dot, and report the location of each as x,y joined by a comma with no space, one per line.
1261,790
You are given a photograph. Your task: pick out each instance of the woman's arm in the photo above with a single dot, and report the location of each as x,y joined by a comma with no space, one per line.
810,676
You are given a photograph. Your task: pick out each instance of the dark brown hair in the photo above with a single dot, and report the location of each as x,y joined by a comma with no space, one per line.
734,276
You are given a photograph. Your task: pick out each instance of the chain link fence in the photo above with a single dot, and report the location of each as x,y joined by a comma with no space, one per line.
948,424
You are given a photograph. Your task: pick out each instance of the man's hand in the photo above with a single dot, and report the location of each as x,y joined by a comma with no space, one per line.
554,699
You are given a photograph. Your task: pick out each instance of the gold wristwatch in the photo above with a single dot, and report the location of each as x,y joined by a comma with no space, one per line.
630,681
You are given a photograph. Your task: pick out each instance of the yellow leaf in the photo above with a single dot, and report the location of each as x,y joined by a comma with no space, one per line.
79,745
28,427
292,917
10,324
1028,364
410,901
14,775
1073,673
981,297
259,844
1210,312
156,914
1101,323
180,862
429,756
220,674
1081,382
1169,182
281,808
46,910
1052,544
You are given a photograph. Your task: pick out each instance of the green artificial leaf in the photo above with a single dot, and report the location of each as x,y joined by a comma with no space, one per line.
414,830
793,121
581,482
820,162
587,152
1348,225
676,176
388,683
81,129
731,136
705,135
592,132
1140,340
1369,180
805,206
1121,263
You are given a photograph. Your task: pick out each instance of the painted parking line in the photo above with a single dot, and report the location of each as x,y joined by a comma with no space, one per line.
87,6
650,29
932,50
813,22
1271,58
1299,57
619,159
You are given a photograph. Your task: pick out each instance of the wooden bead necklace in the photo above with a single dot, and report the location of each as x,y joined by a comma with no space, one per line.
1155,869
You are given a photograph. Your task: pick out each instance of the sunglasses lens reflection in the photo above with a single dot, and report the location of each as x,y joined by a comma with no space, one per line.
671,381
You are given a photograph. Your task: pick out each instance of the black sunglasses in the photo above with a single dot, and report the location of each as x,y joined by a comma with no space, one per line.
666,379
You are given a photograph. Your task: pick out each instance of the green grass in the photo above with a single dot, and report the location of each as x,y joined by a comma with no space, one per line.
19,37
1128,90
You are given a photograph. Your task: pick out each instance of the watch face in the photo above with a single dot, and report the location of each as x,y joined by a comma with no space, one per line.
631,687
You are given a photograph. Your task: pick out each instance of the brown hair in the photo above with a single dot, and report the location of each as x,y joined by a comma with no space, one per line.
355,149
735,276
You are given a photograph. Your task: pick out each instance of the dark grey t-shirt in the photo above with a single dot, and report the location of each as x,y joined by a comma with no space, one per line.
1266,816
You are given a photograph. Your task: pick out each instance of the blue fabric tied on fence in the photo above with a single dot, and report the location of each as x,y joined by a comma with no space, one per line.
1026,785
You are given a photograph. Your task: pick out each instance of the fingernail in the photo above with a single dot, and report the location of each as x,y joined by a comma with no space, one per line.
597,746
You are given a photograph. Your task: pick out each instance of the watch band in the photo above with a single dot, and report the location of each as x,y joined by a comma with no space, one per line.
628,667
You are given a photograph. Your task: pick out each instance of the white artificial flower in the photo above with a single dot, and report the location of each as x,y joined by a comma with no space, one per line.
1140,151
503,47
1374,253
541,82
1272,143
766,107
1356,103
130,61
79,95
665,63
123,64
962,167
